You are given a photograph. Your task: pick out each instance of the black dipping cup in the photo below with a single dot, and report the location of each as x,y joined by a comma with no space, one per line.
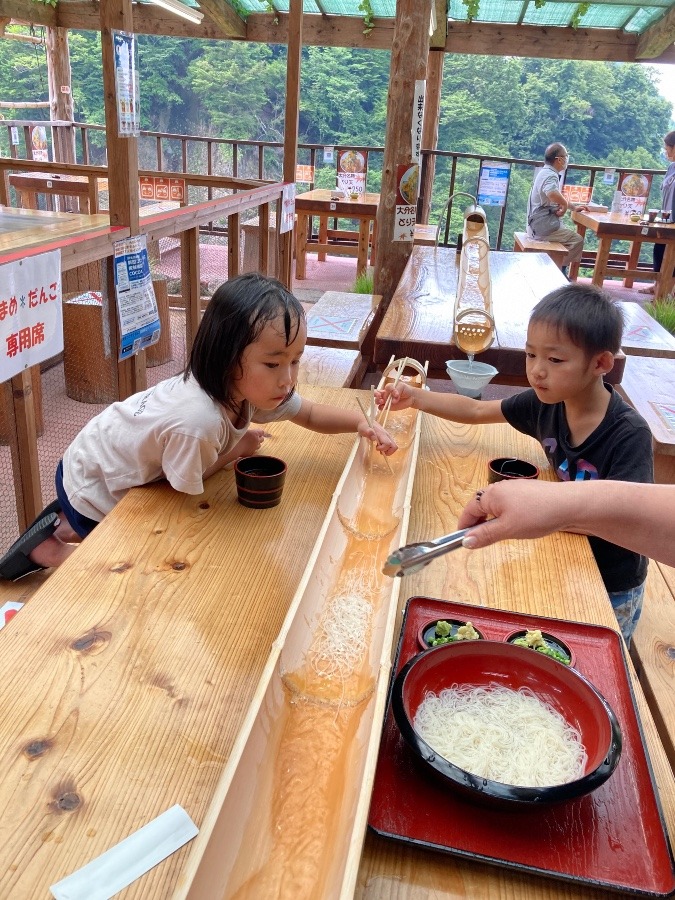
506,468
260,480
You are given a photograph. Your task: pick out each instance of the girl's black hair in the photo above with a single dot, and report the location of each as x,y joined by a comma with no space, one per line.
586,314
234,318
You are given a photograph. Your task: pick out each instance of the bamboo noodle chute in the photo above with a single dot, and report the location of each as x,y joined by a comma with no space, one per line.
473,321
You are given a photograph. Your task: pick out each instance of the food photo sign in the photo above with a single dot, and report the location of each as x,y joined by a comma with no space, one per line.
634,190
352,168
407,182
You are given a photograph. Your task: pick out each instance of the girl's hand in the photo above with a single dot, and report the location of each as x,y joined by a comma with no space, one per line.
383,440
251,442
401,396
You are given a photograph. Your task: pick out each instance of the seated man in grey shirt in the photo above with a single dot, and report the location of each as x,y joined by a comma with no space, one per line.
547,204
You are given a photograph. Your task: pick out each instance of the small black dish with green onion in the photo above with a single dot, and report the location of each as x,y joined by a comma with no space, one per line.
544,643
446,631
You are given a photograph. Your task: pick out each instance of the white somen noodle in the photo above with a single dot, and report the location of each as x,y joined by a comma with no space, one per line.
501,734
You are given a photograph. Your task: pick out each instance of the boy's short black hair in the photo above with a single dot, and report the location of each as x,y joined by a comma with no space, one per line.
586,314
234,318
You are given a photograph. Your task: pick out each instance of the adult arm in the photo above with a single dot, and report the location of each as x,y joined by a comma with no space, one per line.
639,517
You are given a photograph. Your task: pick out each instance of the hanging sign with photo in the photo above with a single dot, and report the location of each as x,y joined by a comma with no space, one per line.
493,182
126,84
352,169
31,313
407,182
38,139
136,302
287,208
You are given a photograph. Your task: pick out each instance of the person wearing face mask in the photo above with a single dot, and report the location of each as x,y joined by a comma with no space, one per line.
547,205
667,201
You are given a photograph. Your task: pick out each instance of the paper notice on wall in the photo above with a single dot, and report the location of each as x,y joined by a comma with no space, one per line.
328,154
407,181
31,314
136,302
418,119
493,182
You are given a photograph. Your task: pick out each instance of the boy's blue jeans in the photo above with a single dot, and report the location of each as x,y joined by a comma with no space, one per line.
627,606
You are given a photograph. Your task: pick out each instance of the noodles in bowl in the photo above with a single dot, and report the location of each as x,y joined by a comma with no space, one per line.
502,724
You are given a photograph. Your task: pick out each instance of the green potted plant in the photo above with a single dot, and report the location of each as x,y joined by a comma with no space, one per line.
664,312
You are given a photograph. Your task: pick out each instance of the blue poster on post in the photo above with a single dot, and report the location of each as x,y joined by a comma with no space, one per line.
136,302
493,183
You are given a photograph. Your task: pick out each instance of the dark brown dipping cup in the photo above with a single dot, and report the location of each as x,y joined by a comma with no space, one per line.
260,481
665,216
652,214
508,467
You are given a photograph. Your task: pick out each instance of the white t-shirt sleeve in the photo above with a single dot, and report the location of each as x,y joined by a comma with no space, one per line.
185,459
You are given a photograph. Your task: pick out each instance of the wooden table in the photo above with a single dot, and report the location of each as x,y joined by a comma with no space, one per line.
419,320
319,203
29,184
643,335
128,674
609,226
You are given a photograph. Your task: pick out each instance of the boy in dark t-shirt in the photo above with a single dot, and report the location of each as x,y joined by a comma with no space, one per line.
585,428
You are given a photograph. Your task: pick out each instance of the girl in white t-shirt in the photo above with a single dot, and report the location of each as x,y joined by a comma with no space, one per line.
243,368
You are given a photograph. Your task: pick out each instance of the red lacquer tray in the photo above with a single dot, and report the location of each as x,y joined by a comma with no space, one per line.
614,838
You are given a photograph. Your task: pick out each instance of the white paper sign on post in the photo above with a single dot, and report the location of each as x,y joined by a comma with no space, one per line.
31,314
418,119
287,208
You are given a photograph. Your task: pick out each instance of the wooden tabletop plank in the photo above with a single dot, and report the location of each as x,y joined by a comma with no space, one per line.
340,319
648,383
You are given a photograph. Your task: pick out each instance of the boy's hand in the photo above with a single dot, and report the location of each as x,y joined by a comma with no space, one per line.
401,396
383,440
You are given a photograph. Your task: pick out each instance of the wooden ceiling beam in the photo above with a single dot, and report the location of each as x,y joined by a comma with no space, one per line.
657,38
602,44
225,19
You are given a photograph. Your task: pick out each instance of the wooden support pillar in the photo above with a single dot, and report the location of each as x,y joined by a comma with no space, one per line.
190,284
60,94
291,127
116,15
432,105
19,416
409,53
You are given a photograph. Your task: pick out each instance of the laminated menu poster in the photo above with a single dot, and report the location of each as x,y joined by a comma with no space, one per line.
352,169
634,189
136,302
493,182
127,84
407,182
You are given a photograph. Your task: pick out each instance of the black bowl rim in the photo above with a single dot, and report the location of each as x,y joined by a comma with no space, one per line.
496,790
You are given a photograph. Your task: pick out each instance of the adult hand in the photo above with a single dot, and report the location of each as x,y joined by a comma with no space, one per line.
521,509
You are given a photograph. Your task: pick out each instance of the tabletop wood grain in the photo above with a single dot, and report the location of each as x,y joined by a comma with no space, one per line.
126,677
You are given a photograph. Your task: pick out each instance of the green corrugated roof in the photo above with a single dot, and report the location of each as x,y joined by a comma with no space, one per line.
626,16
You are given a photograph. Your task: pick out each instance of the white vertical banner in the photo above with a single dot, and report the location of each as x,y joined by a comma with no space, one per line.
418,119
126,84
287,208
31,314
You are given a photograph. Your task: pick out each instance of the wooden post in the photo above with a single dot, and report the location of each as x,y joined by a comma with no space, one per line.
291,127
190,284
60,96
19,409
409,53
432,105
116,15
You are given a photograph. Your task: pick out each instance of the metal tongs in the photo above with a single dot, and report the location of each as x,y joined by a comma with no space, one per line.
414,557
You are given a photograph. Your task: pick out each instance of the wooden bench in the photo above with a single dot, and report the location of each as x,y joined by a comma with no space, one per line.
653,652
648,384
525,244
425,235
346,321
327,367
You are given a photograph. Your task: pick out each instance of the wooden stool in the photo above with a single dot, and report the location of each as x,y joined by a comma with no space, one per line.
525,244
89,364
251,231
160,353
